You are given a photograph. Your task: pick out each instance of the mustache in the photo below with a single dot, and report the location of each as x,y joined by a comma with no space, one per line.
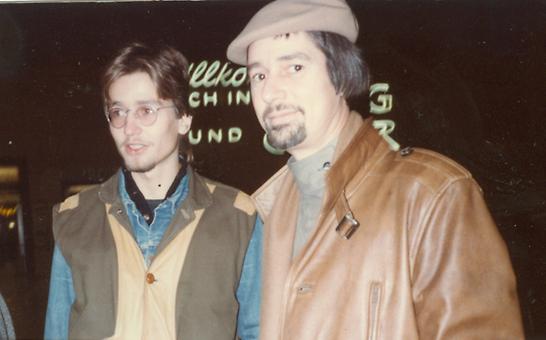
133,141
278,107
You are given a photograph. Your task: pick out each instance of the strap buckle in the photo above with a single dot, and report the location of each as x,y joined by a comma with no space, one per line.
347,226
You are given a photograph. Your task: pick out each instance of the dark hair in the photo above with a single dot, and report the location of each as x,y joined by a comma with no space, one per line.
168,69
346,67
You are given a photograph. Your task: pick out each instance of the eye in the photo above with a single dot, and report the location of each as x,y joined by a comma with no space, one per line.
146,110
257,77
114,112
295,68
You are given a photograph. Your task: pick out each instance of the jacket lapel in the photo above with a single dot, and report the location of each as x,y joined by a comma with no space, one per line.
279,234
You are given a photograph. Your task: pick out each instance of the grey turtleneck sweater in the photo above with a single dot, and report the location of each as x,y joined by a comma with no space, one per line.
309,174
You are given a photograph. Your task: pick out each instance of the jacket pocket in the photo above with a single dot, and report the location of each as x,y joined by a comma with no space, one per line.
373,309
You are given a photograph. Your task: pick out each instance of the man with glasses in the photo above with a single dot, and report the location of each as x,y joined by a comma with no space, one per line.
157,251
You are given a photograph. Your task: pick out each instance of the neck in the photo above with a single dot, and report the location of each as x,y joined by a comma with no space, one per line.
310,147
155,183
310,172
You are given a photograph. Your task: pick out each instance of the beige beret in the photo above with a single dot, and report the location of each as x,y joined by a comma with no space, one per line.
287,16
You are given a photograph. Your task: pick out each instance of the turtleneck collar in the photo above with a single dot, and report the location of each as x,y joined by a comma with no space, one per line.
310,171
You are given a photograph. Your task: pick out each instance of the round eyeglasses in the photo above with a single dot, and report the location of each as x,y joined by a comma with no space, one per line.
146,114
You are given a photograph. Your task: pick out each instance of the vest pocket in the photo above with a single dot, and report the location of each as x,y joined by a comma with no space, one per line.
373,309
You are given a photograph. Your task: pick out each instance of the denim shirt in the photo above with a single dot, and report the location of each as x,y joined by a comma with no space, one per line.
149,236
61,290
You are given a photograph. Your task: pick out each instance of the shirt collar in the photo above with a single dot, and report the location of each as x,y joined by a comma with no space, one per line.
138,198
310,171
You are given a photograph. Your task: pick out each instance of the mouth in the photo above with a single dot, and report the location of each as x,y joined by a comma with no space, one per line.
281,116
134,148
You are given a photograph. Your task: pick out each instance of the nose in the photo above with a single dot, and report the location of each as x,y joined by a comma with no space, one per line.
272,89
132,126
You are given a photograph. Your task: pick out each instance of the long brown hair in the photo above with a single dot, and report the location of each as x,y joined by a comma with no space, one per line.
168,69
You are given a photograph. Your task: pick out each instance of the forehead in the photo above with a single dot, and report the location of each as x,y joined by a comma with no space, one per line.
281,47
136,84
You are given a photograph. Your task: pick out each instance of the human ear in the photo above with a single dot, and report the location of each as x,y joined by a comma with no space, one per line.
184,124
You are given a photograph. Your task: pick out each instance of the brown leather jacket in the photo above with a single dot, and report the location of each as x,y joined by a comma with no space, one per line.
426,262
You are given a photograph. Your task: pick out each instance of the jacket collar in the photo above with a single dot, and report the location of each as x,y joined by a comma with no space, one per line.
357,153
108,191
358,150
198,197
356,144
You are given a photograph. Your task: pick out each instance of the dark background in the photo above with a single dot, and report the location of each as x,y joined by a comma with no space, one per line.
467,79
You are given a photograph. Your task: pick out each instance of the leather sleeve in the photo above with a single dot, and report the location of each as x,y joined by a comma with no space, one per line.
463,283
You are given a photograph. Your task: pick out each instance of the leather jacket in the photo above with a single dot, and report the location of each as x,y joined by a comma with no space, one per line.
425,262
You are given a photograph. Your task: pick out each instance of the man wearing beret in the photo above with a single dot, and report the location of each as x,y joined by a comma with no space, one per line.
361,241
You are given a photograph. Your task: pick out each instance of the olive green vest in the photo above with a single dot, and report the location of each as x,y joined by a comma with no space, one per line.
205,306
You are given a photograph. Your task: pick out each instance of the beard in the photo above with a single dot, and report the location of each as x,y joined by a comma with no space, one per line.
150,159
285,136
141,168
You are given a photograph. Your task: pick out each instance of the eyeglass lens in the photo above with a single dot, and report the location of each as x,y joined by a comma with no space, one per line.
146,115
